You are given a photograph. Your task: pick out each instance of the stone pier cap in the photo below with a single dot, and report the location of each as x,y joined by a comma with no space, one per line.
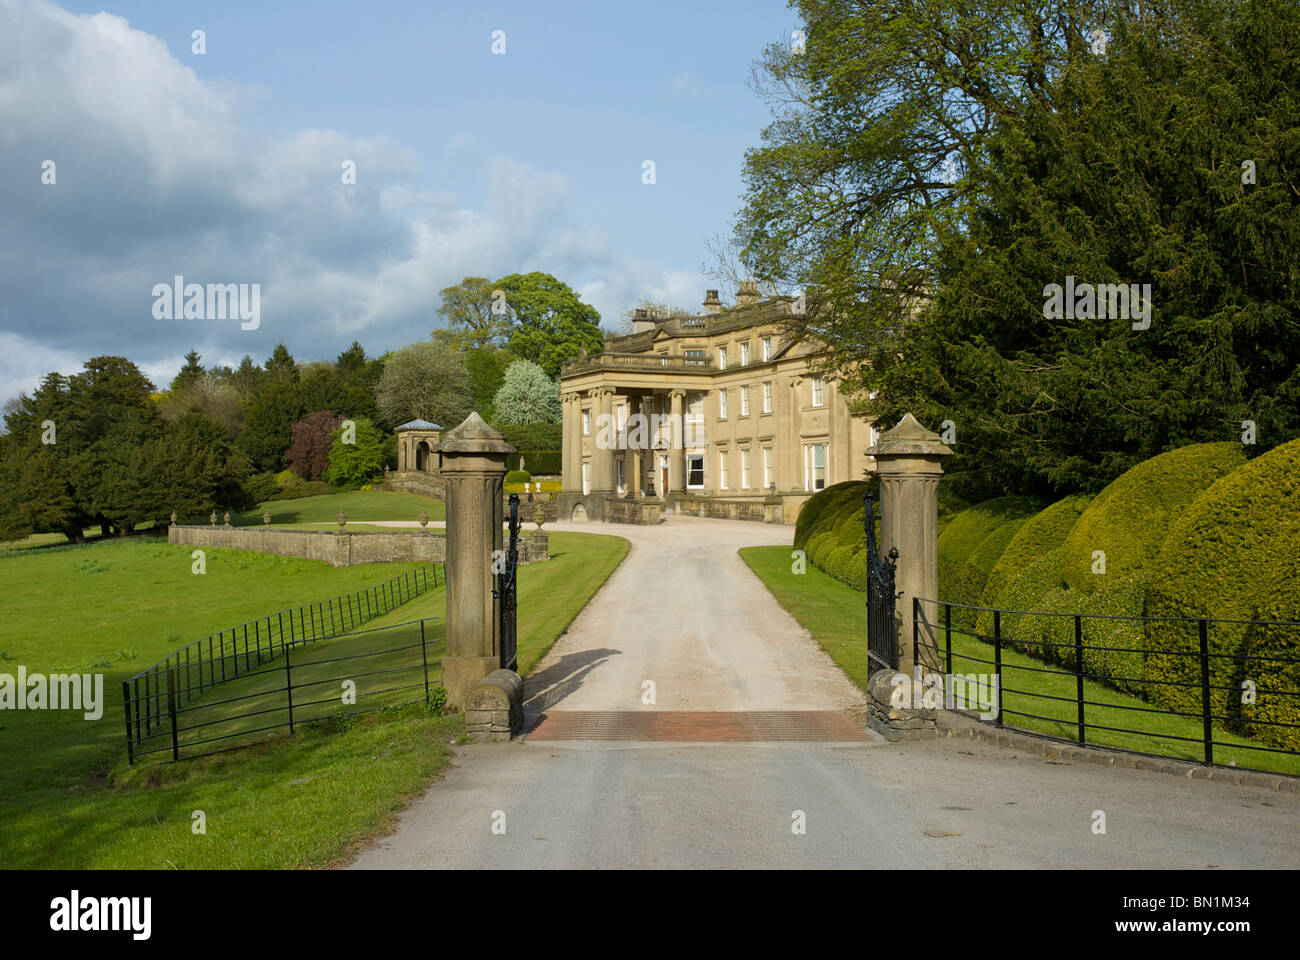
473,435
908,438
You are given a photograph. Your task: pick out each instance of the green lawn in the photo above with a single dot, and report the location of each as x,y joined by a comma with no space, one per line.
835,614
359,505
67,798
385,659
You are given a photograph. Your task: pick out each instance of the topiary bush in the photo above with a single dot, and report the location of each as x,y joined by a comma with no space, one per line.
1124,666
819,546
1027,569
968,584
1041,534
1274,678
959,541
1035,590
849,530
855,570
518,476
826,507
1128,520
837,564
1220,560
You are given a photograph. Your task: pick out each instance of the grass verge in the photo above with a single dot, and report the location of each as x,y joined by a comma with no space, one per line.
835,614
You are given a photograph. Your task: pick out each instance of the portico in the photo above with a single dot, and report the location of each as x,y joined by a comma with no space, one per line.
715,415
627,432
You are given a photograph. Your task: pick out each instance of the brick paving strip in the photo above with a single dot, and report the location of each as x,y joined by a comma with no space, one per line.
699,726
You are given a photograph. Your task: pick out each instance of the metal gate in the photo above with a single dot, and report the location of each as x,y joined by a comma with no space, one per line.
882,645
505,592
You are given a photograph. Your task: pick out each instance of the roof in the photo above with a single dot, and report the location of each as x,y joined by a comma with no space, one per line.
419,425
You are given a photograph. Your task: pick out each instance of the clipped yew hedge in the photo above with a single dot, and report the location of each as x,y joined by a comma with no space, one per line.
1028,568
1038,536
827,507
1274,679
830,532
1223,558
963,567
1128,520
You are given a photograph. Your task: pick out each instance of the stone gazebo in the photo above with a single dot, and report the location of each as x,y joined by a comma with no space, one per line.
417,446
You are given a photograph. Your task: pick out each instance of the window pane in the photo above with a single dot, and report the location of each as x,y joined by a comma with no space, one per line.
695,470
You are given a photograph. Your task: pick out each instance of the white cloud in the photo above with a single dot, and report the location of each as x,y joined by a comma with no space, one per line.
160,174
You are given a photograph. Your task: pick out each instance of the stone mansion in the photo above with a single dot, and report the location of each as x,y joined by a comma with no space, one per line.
732,422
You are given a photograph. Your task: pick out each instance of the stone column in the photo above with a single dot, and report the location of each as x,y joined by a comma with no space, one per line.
474,466
602,460
571,421
908,462
677,452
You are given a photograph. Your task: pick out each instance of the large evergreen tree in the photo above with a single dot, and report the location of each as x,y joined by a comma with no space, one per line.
1113,163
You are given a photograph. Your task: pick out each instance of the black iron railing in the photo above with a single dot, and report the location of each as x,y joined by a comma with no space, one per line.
1212,693
230,654
506,592
882,629
351,673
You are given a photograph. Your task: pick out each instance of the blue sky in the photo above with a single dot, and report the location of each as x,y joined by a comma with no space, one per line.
224,167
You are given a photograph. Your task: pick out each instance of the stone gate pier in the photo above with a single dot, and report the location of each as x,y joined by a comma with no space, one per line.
909,464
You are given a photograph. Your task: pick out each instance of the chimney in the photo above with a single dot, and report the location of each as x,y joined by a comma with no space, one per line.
747,294
711,302
642,321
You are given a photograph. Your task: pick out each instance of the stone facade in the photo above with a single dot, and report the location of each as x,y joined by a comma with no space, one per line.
739,415
415,481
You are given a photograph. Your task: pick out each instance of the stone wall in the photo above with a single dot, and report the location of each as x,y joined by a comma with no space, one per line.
766,510
417,481
640,511
340,549
549,502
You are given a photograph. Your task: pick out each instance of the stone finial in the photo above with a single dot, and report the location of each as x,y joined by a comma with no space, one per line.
424,518
173,516
213,519
474,436
266,518
908,438
342,519
227,518
539,517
